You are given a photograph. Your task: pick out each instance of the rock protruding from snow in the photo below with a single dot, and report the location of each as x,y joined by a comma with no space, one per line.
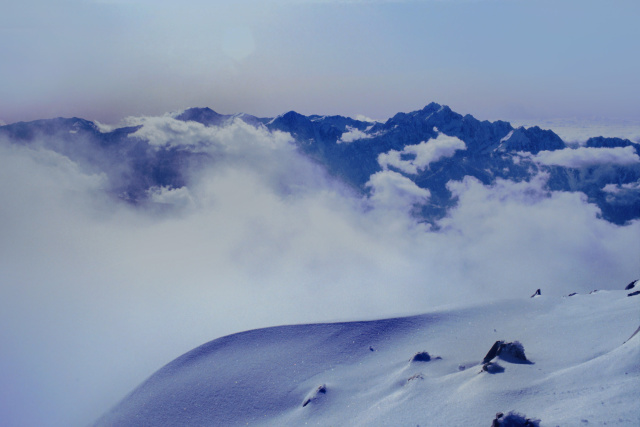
513,352
421,356
315,394
631,285
493,352
508,351
514,419
537,293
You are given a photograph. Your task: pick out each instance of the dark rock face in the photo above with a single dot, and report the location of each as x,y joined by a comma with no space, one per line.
422,356
533,140
631,285
493,352
508,351
206,116
538,292
602,142
514,419
512,352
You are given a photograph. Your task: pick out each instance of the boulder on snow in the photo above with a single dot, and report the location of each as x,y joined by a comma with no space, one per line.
493,352
421,356
513,352
536,293
315,394
633,294
508,351
513,419
631,285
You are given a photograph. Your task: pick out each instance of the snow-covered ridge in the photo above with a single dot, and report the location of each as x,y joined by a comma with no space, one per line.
580,365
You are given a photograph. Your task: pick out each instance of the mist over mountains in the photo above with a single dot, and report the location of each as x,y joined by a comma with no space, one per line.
422,151
124,247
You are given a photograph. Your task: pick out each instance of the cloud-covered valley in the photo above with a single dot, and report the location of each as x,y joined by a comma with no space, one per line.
98,293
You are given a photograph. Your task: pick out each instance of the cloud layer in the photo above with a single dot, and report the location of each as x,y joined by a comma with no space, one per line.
98,294
415,158
588,156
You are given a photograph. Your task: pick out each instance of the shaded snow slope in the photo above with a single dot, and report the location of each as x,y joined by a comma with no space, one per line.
361,373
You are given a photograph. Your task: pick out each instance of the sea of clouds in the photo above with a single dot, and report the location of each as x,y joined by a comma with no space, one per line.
98,293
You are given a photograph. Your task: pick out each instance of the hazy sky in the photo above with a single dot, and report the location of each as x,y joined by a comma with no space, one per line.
107,59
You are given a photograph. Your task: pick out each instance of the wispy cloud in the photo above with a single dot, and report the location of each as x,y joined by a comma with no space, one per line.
588,156
415,158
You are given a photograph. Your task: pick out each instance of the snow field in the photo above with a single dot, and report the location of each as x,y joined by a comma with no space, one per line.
361,373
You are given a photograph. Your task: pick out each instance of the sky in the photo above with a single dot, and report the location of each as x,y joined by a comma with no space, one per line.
510,59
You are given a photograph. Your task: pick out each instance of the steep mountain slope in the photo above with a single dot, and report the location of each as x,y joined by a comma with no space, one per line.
581,368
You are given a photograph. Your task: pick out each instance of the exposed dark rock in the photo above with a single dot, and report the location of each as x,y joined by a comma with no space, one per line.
631,285
493,352
514,419
572,294
322,389
421,356
512,352
633,294
536,293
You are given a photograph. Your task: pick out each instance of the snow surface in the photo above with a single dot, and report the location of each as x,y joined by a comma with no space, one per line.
585,370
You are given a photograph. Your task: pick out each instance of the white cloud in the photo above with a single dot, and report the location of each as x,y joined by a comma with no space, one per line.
619,188
623,194
235,137
363,118
588,156
177,197
391,190
353,134
520,233
423,154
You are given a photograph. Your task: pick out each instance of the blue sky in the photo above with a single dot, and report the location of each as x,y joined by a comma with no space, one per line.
512,59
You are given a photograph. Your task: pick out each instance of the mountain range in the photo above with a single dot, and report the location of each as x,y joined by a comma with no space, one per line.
354,150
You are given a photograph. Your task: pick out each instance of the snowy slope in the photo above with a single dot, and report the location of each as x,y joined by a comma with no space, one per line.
361,373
